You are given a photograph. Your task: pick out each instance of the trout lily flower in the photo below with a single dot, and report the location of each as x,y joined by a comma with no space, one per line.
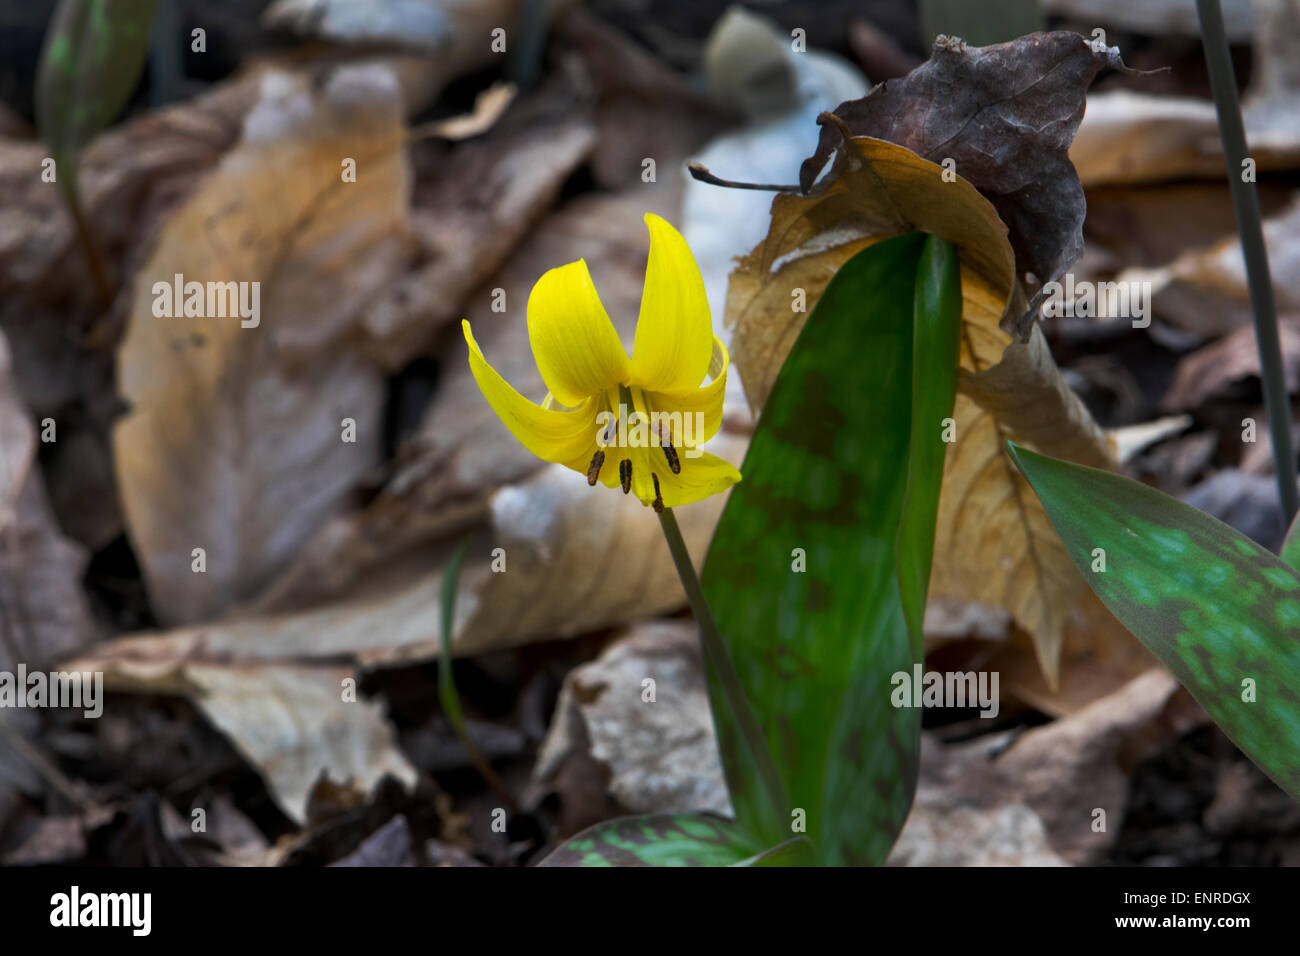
632,422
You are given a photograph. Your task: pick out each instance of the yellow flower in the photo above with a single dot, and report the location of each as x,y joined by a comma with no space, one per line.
632,422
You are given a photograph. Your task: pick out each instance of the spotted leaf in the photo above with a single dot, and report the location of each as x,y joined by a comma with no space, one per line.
822,555
681,839
1221,612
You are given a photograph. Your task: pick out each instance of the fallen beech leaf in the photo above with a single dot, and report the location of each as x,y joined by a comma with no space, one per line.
658,756
228,446
993,544
1005,115
574,562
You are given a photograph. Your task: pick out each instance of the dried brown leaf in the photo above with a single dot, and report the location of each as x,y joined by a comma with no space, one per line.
228,446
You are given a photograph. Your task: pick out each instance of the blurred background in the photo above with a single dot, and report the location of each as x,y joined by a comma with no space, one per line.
184,509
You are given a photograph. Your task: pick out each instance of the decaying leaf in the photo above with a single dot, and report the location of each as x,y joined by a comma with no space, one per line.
43,610
1005,116
227,411
656,741
993,543
295,724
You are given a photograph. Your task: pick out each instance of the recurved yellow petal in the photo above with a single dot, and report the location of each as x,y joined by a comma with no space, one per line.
698,479
550,434
674,334
577,350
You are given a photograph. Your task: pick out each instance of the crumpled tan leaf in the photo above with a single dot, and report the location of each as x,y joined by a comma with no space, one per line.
994,544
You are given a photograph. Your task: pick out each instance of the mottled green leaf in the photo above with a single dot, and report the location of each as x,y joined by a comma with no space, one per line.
797,851
94,53
828,473
1221,612
1291,546
680,839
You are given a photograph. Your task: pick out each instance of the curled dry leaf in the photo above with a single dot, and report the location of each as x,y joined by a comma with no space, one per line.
994,544
228,446
1005,115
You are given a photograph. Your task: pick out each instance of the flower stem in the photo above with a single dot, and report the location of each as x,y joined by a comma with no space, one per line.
1246,201
715,652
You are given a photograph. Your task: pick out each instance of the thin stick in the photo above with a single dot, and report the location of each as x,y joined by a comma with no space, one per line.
716,654
1250,227
701,174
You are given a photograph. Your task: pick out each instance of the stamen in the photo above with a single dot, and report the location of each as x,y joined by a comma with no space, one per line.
666,442
625,474
593,470
659,498
674,465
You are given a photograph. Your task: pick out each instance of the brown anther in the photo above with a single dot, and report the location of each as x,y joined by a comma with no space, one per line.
593,470
625,474
659,498
674,465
